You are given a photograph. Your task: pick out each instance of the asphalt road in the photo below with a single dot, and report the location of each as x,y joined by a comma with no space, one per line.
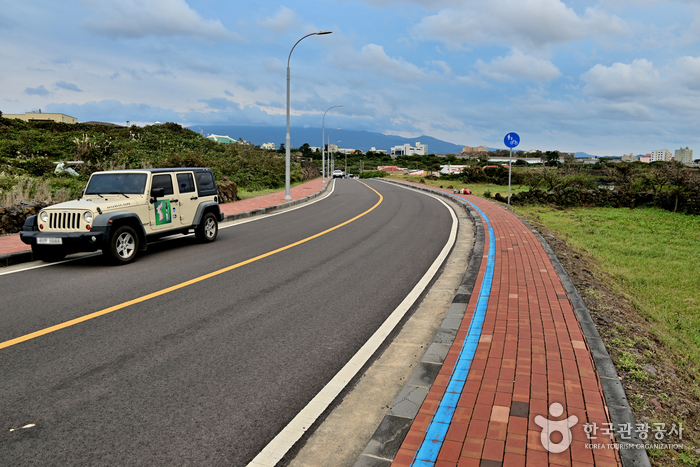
206,373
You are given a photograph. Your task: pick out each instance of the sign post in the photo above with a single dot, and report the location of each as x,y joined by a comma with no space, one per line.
511,140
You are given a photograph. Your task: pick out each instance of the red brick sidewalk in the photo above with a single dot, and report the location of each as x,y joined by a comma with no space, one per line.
531,354
11,244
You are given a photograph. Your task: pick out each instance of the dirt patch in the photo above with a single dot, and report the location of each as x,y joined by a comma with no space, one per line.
660,384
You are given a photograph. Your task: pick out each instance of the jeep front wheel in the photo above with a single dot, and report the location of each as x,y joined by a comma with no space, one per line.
123,245
208,229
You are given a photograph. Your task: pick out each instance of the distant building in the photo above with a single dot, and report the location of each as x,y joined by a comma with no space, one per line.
270,146
629,158
470,150
42,117
645,159
222,139
684,156
408,150
378,151
660,155
391,169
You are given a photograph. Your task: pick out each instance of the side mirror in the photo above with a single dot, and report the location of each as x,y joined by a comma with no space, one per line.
157,193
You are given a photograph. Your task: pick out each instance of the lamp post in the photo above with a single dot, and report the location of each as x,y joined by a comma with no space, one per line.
329,153
287,170
323,146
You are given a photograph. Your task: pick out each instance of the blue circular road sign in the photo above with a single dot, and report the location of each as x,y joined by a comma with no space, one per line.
512,140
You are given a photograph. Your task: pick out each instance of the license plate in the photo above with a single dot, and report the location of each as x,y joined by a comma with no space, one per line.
49,241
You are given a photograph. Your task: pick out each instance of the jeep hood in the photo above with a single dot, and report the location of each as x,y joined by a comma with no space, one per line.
109,203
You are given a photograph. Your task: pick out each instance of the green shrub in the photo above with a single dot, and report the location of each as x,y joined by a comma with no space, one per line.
373,174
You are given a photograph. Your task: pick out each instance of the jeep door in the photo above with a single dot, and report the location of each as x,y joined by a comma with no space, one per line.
162,211
187,205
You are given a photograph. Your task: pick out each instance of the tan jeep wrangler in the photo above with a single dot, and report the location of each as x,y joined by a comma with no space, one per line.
122,210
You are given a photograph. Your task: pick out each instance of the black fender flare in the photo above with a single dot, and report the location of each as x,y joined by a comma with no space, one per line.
104,223
30,223
205,207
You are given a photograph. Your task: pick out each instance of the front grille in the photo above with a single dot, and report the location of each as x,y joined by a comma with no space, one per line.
64,220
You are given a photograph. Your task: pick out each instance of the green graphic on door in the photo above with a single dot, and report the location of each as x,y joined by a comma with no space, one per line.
163,211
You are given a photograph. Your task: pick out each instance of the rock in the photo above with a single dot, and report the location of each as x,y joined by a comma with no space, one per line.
650,369
227,192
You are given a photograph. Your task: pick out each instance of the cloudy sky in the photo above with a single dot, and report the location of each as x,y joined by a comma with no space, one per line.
605,77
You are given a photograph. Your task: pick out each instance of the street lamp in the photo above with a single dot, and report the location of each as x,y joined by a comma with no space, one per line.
287,193
323,146
329,152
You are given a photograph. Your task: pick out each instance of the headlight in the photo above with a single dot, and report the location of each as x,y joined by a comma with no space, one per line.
88,217
44,216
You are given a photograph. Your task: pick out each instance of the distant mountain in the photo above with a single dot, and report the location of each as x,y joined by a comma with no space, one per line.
363,140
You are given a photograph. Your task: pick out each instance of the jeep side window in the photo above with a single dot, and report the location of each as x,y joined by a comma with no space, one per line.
164,181
185,183
205,183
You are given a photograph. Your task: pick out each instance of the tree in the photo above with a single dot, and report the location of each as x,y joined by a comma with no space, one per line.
306,150
551,158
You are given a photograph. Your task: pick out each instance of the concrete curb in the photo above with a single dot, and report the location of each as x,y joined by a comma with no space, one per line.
12,259
15,258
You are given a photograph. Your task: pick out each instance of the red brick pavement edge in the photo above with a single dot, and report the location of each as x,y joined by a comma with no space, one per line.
534,362
14,251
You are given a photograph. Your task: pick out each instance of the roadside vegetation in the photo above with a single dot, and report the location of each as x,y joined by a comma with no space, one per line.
29,153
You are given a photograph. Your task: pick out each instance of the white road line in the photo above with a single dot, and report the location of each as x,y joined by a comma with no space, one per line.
283,442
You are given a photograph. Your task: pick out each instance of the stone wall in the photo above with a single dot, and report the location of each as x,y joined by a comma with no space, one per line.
12,217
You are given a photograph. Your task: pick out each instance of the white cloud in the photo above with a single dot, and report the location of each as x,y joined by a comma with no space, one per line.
623,81
373,59
135,19
688,69
529,24
518,66
282,20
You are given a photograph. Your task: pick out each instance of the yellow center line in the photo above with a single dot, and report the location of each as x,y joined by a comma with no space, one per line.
159,293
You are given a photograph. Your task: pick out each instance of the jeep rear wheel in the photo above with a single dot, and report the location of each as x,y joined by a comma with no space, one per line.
123,245
208,229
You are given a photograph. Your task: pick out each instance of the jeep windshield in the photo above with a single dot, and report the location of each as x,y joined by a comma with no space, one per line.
117,183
